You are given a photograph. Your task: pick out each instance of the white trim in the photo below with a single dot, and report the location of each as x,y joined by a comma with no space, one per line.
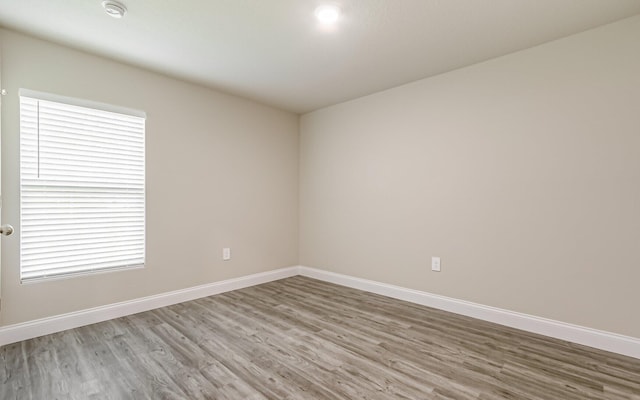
603,340
28,330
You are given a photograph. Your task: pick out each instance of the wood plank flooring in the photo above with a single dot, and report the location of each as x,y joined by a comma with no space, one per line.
299,338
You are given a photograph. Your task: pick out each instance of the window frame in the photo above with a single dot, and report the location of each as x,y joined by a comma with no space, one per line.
97,107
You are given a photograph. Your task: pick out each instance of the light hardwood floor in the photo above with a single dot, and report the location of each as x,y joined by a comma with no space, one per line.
299,338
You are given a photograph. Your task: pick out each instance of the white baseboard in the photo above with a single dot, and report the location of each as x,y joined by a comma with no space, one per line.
603,340
28,330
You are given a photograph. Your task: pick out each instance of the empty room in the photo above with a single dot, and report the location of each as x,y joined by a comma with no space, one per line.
310,199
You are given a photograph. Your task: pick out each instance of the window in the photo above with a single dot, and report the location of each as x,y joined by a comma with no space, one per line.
82,187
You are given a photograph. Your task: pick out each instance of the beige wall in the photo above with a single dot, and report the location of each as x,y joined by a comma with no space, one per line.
522,173
221,172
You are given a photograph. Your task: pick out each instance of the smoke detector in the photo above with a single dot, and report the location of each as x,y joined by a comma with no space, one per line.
114,9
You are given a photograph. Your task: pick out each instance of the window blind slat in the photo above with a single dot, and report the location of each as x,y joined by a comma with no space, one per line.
83,262
125,159
80,266
82,241
82,189
87,146
111,135
44,273
80,227
80,253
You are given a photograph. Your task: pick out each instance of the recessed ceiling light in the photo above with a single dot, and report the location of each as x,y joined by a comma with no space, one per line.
113,8
327,14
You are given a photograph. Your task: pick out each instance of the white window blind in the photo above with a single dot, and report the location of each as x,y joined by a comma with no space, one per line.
82,187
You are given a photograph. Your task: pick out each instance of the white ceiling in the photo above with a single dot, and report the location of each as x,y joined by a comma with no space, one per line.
273,50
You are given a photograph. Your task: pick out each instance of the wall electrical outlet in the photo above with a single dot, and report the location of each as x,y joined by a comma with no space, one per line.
226,254
435,264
